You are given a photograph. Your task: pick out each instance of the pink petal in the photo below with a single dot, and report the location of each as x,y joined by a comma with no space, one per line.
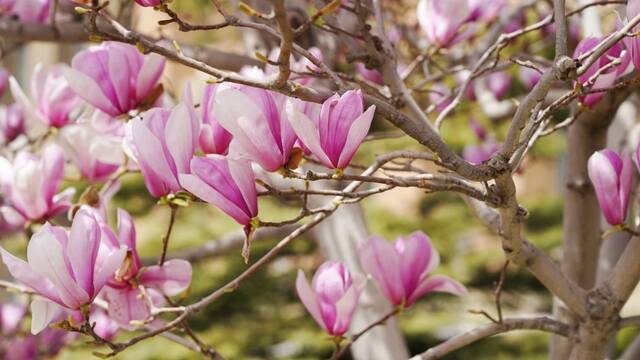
149,75
308,298
357,133
380,259
23,272
179,138
202,190
42,313
82,249
347,305
87,88
243,176
47,259
171,278
308,133
126,305
439,283
108,268
605,183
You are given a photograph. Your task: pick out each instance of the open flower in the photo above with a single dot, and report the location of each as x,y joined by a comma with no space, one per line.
64,267
29,185
214,139
611,176
163,142
338,132
604,78
124,293
332,297
53,97
441,20
96,154
403,270
258,123
115,77
28,11
228,184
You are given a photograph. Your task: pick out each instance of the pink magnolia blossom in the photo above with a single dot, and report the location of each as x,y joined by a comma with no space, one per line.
163,142
214,139
632,43
54,99
338,132
332,297
258,122
4,80
96,154
371,75
64,267
479,153
529,77
441,20
228,184
312,111
498,83
29,185
27,11
123,291
611,176
606,78
148,2
485,10
403,269
115,77
11,122
440,96
10,317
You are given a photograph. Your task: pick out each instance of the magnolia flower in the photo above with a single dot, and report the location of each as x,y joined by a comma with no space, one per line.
440,96
297,67
228,184
54,99
11,122
163,142
214,139
29,185
403,269
64,267
332,297
4,80
115,77
338,132
477,154
148,2
10,317
371,75
28,11
498,83
605,78
632,43
257,120
97,155
441,20
529,77
611,177
484,10
124,288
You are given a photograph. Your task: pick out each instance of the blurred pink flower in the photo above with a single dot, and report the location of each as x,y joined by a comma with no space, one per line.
605,78
332,297
11,122
441,20
403,270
